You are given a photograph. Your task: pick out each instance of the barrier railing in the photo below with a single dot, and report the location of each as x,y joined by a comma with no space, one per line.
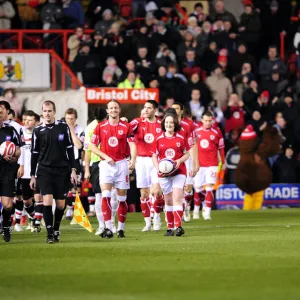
62,77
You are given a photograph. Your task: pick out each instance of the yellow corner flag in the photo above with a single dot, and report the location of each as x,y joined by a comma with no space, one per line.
80,216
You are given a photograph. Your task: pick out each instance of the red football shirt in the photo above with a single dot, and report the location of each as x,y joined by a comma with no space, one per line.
236,119
209,141
114,139
145,133
172,148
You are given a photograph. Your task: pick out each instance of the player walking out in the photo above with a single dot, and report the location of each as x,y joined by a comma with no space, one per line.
173,146
53,152
7,174
117,142
145,131
210,141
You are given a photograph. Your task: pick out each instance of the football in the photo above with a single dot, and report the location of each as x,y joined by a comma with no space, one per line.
7,149
166,166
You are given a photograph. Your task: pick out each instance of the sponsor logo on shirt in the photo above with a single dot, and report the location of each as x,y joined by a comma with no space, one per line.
170,153
113,141
61,137
178,144
149,138
204,144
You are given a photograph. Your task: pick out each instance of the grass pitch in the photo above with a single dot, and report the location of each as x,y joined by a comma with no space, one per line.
239,255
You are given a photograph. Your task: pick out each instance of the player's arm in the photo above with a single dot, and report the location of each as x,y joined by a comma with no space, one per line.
155,161
35,152
182,159
87,154
221,152
16,140
133,153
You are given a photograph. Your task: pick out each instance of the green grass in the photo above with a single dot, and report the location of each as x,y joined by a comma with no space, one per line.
239,255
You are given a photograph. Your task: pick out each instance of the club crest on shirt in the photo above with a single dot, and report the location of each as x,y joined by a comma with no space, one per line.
212,137
158,130
61,137
120,132
8,138
23,138
178,144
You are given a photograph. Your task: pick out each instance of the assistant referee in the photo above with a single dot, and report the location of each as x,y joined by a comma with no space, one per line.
53,151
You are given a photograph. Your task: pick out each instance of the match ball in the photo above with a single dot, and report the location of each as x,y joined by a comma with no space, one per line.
166,166
7,149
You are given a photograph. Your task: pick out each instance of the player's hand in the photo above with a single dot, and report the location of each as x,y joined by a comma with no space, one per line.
74,177
32,183
87,174
131,165
110,161
11,159
223,167
177,163
194,171
124,119
20,172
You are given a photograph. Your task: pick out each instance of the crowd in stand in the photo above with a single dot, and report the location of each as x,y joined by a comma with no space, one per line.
222,62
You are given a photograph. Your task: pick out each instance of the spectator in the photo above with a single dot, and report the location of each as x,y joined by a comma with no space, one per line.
210,57
224,15
141,38
96,9
257,123
243,79
111,70
266,106
138,8
52,15
225,36
73,14
189,43
250,96
28,12
199,13
104,25
167,14
131,82
74,42
286,167
98,44
204,38
220,86
234,114
193,27
250,29
165,56
273,62
109,82
218,115
190,65
144,66
129,67
7,12
240,57
195,104
88,65
195,83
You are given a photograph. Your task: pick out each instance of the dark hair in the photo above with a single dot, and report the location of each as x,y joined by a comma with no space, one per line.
72,111
154,103
177,126
171,111
272,47
100,114
115,101
199,4
187,113
179,104
207,113
12,112
49,102
31,113
5,104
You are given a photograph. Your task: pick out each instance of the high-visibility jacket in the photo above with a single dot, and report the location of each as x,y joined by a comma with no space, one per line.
127,85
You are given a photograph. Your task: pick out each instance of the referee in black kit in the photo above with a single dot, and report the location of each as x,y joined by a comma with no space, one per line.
8,172
52,150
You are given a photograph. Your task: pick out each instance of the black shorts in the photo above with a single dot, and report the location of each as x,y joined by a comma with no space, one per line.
27,192
53,181
19,188
94,179
7,188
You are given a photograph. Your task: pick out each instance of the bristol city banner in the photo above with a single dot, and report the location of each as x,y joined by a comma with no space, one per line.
127,96
229,196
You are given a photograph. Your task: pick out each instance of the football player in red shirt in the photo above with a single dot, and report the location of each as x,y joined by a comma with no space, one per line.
170,144
117,142
188,131
210,143
145,131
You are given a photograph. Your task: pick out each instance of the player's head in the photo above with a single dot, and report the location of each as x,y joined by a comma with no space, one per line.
31,120
100,114
170,123
179,108
207,119
150,109
49,110
6,107
71,116
1,114
24,115
11,114
113,109
187,113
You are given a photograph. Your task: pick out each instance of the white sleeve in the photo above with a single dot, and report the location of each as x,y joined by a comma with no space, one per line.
22,157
